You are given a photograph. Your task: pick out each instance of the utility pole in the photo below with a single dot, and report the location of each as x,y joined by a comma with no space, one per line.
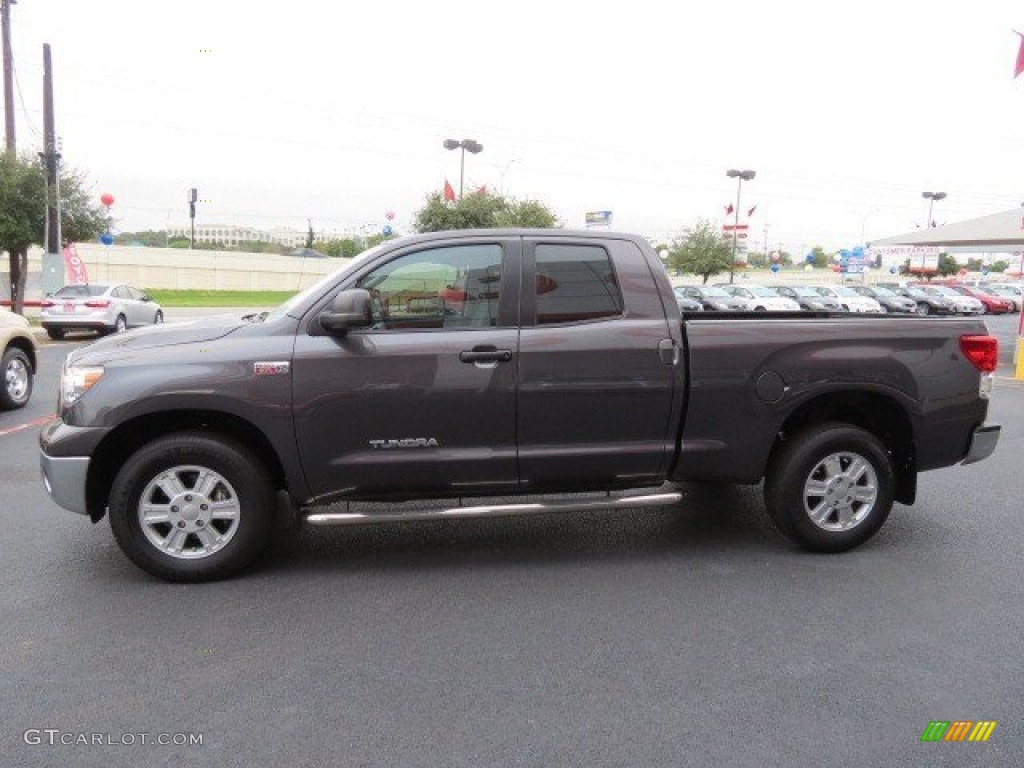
51,158
193,196
5,14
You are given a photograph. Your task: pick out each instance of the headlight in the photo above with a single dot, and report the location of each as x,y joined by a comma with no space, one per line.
76,380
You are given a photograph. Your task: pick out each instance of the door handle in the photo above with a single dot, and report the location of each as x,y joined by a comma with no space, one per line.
485,355
668,351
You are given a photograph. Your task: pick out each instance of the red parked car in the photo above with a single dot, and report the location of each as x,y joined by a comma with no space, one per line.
994,305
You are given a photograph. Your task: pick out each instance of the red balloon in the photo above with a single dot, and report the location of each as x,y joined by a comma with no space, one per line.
107,199
836,268
390,215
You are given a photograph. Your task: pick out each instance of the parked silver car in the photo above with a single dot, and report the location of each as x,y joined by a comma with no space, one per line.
101,307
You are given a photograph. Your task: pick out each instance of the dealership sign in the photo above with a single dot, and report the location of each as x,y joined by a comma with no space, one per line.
921,258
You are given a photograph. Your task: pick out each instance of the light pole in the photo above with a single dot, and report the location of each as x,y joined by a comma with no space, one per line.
466,144
931,197
740,177
501,184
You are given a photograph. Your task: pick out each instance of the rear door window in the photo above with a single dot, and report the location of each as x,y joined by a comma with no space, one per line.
575,283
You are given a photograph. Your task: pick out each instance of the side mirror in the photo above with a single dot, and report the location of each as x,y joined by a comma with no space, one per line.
349,309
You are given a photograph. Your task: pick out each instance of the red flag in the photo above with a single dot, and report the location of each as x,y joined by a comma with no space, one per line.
728,209
1020,57
751,211
449,193
74,265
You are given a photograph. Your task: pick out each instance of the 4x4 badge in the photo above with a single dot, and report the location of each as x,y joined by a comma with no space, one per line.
271,368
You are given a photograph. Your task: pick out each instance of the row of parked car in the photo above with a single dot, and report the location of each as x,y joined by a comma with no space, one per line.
931,298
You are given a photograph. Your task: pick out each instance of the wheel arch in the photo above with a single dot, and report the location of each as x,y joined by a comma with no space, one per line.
26,346
127,438
879,414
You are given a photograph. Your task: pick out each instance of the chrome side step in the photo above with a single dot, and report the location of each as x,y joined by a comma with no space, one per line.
495,510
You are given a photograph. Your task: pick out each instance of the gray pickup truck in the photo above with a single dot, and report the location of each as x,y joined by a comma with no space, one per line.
514,369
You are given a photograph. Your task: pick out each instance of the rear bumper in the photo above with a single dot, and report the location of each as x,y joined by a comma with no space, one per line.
983,443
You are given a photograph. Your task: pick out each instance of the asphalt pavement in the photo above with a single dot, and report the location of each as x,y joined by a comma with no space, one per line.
674,637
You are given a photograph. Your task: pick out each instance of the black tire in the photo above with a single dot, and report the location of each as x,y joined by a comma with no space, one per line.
55,333
158,317
120,324
923,308
244,486
797,472
15,379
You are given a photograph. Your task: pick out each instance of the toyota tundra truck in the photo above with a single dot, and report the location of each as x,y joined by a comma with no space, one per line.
503,372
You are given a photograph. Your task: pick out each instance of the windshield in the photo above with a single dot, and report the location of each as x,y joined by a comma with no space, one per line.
320,285
943,291
717,293
803,290
846,292
762,292
883,292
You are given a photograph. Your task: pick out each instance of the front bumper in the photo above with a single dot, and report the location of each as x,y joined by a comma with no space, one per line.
64,478
983,443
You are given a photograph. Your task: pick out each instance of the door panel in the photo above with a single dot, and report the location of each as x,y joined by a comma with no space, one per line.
595,393
424,401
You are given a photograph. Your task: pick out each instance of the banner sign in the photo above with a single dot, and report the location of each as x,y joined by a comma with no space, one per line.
599,219
923,258
77,272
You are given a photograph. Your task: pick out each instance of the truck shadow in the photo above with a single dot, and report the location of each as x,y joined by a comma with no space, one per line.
710,519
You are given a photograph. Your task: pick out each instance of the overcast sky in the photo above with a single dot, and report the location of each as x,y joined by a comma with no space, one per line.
279,112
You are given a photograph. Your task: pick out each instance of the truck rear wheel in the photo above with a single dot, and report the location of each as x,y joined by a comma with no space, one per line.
191,507
830,488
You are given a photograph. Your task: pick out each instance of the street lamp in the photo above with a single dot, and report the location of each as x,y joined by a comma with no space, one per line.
931,197
740,177
465,145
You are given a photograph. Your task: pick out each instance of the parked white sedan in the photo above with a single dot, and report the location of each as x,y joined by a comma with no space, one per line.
762,299
101,307
849,298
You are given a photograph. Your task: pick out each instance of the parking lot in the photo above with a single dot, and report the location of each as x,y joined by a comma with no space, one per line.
688,636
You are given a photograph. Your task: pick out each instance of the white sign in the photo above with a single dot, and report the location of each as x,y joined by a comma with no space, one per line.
923,258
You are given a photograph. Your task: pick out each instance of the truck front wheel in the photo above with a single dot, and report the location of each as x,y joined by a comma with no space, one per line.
830,488
191,507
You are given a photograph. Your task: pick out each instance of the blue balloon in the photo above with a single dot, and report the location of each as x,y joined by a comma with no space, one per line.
858,251
106,238
809,258
775,267
388,231
984,270
892,270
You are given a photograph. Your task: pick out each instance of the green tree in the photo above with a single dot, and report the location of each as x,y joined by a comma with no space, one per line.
149,238
532,214
482,210
345,248
947,265
820,257
23,213
702,251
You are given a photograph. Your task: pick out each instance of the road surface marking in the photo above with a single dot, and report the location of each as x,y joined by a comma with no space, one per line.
22,427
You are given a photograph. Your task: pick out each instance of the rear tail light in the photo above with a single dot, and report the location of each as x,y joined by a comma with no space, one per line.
98,304
981,351
46,303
